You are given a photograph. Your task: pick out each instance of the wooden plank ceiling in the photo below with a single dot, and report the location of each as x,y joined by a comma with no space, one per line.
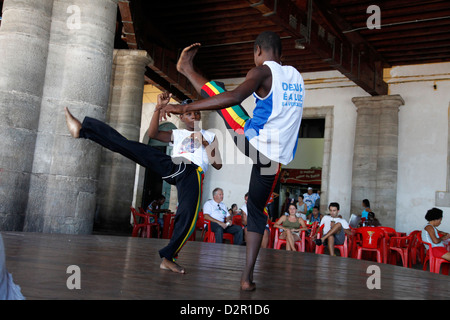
317,36
332,35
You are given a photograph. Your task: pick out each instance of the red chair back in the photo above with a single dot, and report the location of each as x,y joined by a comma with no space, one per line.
371,237
136,216
237,220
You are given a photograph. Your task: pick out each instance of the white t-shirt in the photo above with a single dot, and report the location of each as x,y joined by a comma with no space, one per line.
326,220
193,150
216,210
244,208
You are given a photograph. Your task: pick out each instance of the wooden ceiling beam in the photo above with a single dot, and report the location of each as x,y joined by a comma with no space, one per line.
359,62
162,73
128,32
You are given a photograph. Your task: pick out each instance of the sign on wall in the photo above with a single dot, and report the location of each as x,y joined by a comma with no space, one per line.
301,176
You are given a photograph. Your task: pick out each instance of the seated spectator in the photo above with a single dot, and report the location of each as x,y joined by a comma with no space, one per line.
366,209
216,212
316,216
435,237
371,221
334,229
234,210
302,208
155,208
290,227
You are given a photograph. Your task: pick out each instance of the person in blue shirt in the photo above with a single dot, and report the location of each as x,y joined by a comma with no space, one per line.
366,209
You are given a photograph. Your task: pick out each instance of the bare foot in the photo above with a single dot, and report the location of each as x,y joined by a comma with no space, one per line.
73,124
172,266
248,286
185,63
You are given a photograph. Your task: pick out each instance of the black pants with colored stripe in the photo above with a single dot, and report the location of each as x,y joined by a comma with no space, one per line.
265,172
187,177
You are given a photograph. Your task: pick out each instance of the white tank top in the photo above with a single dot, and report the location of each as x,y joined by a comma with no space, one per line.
273,129
426,237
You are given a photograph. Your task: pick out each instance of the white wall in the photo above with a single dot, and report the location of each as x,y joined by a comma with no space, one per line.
322,89
423,141
309,154
333,89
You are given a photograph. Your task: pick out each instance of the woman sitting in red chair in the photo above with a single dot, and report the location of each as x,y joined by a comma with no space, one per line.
435,237
292,226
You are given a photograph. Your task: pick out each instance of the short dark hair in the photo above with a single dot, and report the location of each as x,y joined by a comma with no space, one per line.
334,204
269,40
433,214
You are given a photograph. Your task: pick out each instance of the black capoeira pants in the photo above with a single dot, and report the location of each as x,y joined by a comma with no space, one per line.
265,172
187,177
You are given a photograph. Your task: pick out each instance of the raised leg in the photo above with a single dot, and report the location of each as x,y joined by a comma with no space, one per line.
185,66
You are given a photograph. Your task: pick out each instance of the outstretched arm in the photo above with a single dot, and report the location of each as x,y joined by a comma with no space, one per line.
252,82
153,132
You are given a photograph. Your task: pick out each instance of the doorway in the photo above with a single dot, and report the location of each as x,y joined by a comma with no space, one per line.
305,170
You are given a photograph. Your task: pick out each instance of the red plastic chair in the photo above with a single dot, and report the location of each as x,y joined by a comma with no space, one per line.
141,224
402,247
310,245
209,236
372,240
343,248
434,262
300,244
200,225
271,235
388,234
237,220
417,249
153,220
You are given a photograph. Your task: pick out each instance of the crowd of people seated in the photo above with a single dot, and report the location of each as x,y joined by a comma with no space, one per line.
299,215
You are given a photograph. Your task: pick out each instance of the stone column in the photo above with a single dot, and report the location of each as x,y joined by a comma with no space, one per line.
24,35
442,198
117,173
62,195
375,156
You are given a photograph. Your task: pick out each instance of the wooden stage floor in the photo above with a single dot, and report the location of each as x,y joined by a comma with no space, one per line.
113,267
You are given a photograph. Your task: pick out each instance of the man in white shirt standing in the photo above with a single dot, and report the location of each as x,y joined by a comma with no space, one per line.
310,199
217,213
334,228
